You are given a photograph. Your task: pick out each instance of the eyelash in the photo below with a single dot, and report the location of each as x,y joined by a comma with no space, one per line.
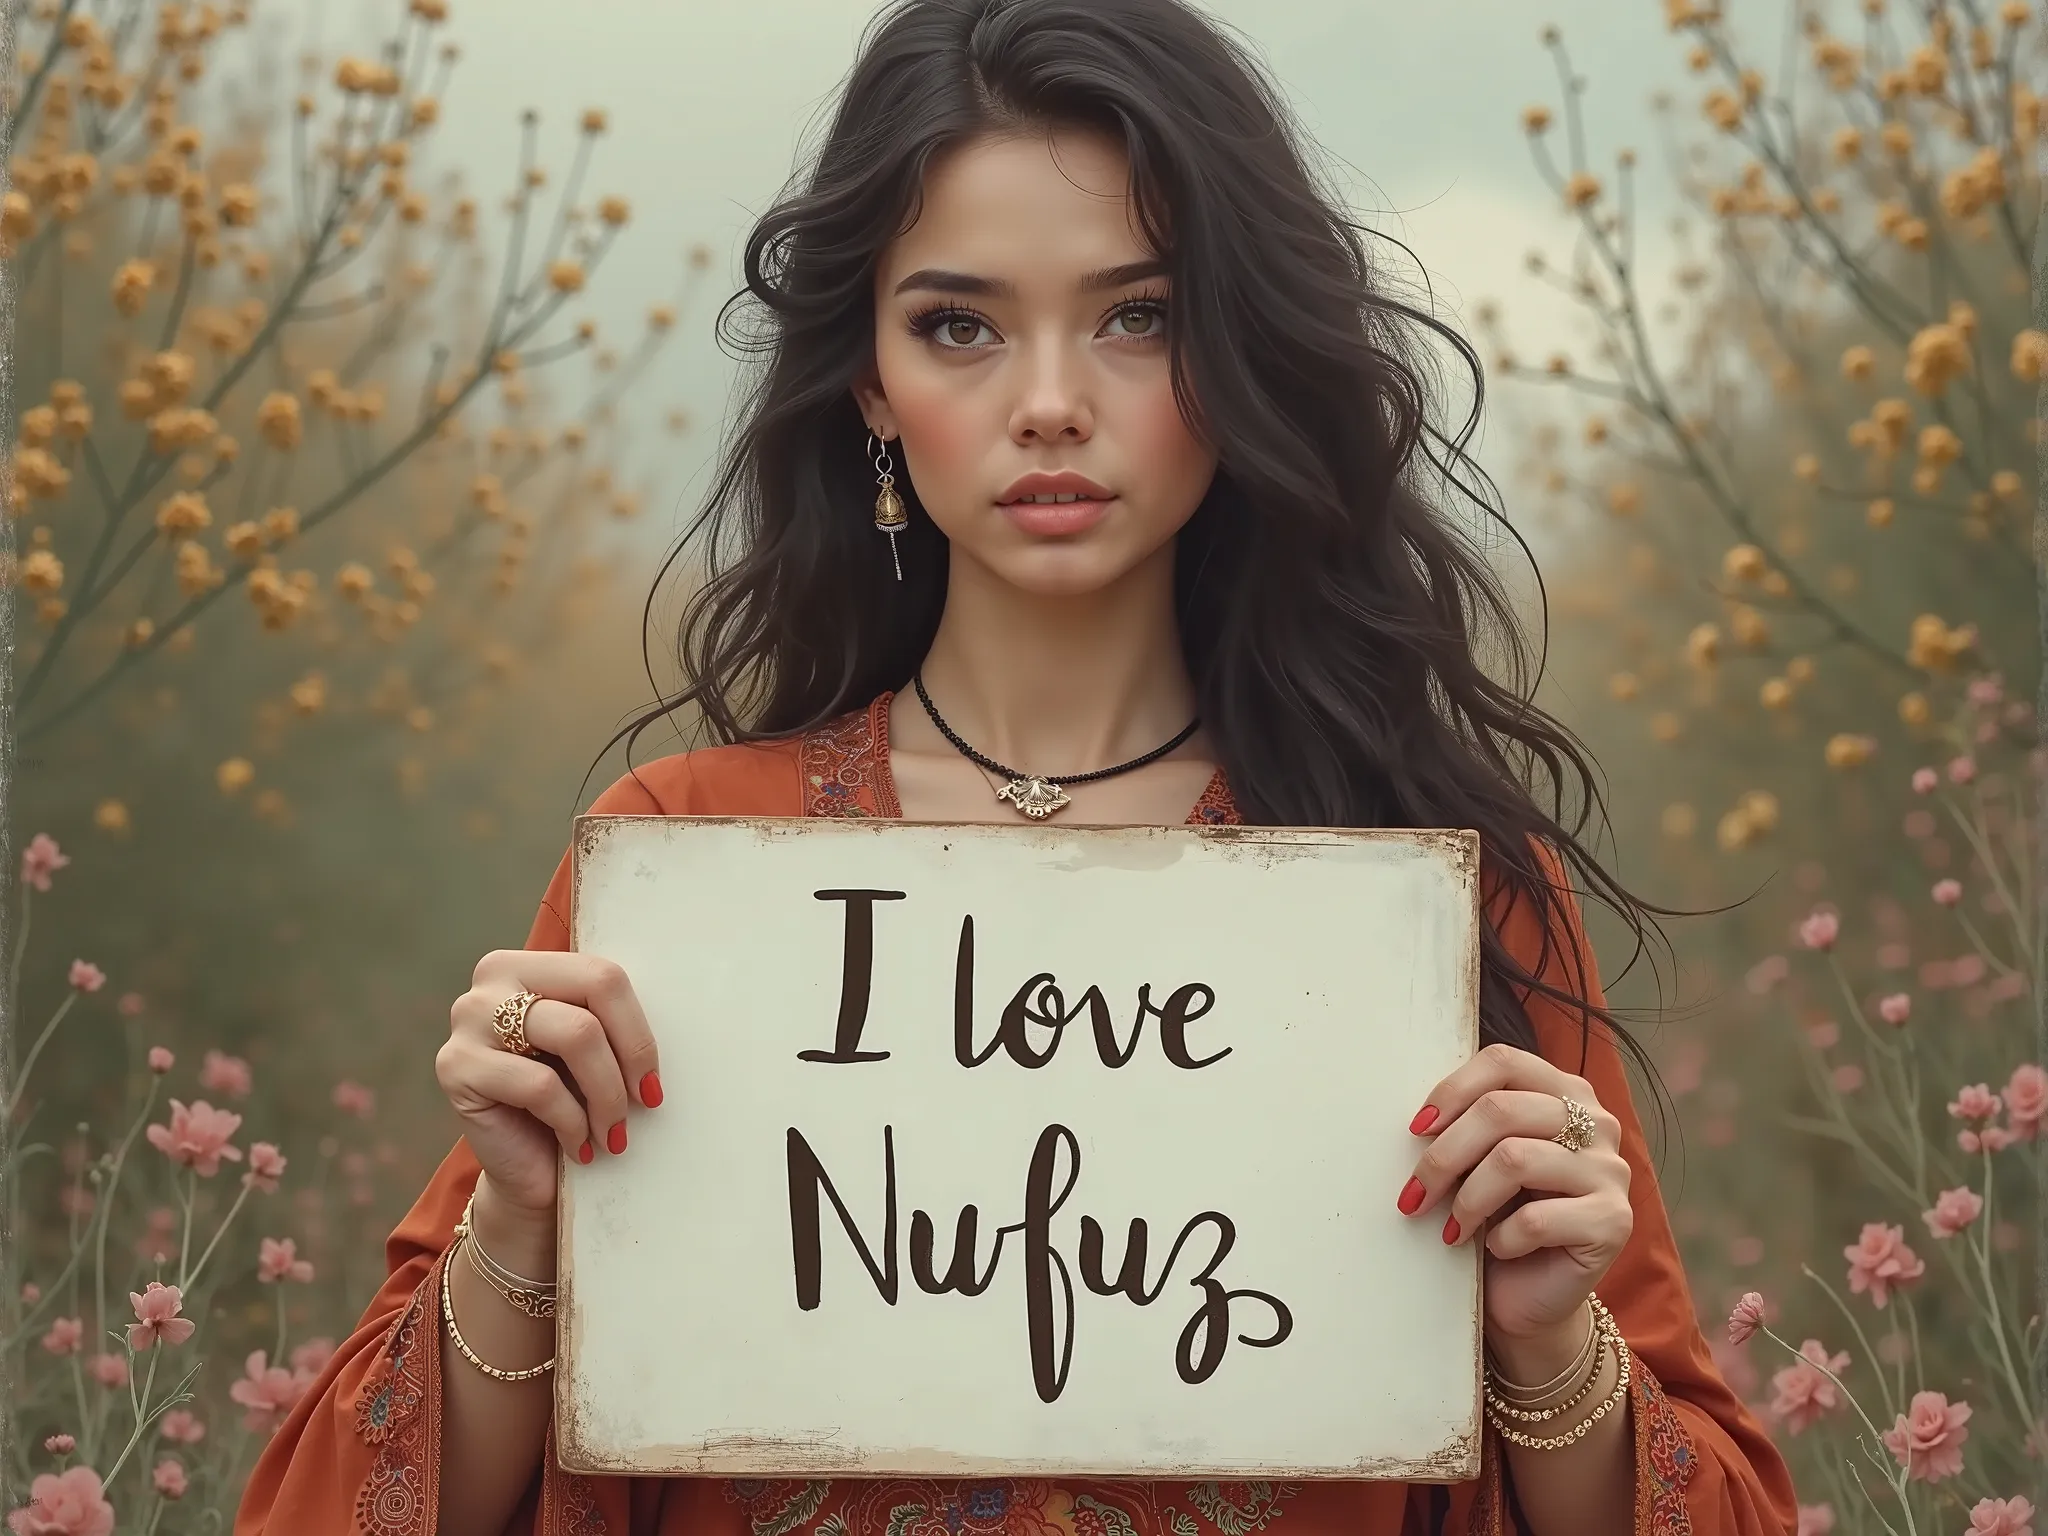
924,323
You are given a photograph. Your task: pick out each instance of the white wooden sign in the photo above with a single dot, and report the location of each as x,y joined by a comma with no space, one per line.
1031,1150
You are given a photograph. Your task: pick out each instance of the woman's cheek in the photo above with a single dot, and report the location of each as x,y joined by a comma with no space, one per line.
949,441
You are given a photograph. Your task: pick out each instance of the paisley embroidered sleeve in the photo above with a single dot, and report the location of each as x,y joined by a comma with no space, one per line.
360,1451
1704,1463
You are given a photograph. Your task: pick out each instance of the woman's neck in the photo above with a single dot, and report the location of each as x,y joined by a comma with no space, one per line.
1060,685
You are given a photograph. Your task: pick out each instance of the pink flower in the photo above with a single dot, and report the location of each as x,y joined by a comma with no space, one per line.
311,1357
41,859
2002,1517
60,1445
1987,690
1997,1138
1947,893
67,1503
109,1371
1820,930
225,1074
278,1259
1747,1317
2026,1100
130,1005
86,976
1924,780
1801,1392
197,1136
1954,1209
267,1391
169,1478
160,1060
1816,1519
354,1099
31,1292
1961,770
1895,1009
65,1335
266,1167
182,1427
156,1312
1928,1437
1880,1259
1847,1077
1977,1102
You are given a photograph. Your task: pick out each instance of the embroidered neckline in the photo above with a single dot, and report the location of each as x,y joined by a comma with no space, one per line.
845,771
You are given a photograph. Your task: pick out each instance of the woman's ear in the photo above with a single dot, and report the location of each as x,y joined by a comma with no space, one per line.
874,406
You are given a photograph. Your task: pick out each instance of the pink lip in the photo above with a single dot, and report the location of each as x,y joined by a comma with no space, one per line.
1049,519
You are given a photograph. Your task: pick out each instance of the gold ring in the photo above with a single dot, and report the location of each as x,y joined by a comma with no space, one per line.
508,1021
1577,1134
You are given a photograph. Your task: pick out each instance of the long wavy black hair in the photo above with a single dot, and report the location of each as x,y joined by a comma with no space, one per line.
1333,613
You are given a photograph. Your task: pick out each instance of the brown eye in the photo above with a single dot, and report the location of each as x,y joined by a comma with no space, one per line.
963,331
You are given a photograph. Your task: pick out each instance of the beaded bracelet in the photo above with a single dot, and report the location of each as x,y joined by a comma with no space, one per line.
455,1333
1496,1410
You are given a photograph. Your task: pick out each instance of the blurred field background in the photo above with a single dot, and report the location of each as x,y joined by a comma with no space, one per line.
363,372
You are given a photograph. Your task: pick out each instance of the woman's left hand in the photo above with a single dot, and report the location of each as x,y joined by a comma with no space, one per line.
1554,1219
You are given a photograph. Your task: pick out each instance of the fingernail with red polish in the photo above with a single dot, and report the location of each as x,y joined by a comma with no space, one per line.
1451,1229
1411,1197
650,1090
1424,1119
615,1140
585,1152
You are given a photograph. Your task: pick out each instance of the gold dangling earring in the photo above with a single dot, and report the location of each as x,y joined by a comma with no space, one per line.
890,516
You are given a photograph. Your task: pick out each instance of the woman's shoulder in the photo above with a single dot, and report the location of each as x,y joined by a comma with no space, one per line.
741,779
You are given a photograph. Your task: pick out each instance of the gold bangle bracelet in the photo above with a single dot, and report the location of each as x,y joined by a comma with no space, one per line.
538,1305
1584,1426
455,1333
463,1228
1542,1415
1516,1392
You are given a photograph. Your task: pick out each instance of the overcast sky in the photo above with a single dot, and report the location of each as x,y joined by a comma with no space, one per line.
1418,101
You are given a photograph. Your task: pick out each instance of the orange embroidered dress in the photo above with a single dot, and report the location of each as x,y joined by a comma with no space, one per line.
360,1453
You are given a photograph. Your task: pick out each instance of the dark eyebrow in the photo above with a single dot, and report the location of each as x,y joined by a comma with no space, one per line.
939,280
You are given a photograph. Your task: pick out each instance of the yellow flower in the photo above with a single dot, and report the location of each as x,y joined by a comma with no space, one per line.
614,211
420,718
140,633
1703,645
1583,188
41,572
1665,726
1880,512
281,524
2005,485
183,515
1894,416
243,540
195,569
1723,110
1934,647
234,775
1806,467
39,474
1623,686
1939,445
1969,188
1535,119
566,276
1858,362
594,120
1745,562
238,205
1625,498
1927,69
1751,629
430,11
277,600
1847,144
1776,693
111,816
364,76
1938,354
2030,356
1912,234
353,580
1845,750
1679,820
1914,709
661,317
17,217
309,694
132,282
2014,13
174,429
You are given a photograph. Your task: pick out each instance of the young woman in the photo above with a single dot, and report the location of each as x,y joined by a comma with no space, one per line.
1090,476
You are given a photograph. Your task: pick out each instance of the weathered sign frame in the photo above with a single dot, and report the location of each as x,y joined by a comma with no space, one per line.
1441,1402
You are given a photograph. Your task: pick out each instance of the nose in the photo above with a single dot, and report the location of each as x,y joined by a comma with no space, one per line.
1055,391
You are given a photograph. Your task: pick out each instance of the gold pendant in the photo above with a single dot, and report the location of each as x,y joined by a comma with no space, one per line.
1036,797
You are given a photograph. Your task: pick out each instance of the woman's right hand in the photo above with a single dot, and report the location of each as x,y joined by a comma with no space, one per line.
517,1111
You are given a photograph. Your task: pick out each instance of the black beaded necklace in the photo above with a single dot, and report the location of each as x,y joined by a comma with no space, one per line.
1036,794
